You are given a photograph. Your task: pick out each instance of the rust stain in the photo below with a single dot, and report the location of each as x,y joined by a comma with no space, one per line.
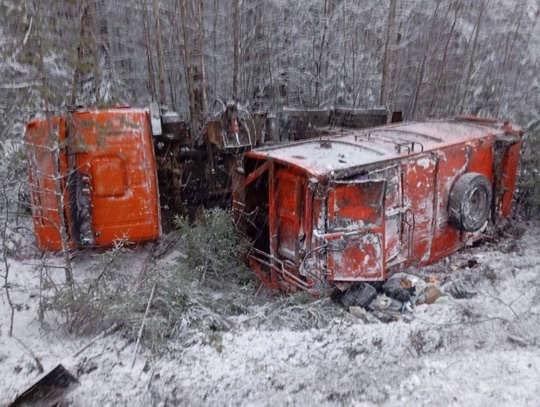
365,202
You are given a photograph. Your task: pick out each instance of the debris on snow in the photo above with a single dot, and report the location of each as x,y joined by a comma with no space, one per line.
49,390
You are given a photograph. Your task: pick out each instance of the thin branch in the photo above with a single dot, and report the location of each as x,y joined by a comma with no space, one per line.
5,258
22,85
142,324
25,40
504,303
32,354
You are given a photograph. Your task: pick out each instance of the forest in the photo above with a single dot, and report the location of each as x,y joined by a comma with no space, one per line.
425,58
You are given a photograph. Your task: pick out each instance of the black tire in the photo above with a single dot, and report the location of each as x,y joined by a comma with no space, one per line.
470,202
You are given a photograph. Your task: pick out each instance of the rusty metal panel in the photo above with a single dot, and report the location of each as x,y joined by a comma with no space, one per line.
288,213
50,390
114,149
358,257
393,209
213,133
419,190
229,132
509,175
356,238
390,206
109,175
481,157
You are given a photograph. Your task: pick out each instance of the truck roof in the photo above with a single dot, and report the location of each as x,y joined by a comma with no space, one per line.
341,148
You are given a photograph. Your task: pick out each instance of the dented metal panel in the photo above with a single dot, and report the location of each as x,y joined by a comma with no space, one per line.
419,183
323,156
377,199
356,234
347,206
341,150
288,215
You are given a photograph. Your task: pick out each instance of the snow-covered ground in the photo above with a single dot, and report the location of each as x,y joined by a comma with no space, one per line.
481,351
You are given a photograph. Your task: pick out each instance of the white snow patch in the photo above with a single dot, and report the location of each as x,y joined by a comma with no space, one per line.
482,351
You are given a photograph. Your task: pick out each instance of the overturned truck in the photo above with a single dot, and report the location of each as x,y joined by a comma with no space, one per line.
99,176
354,205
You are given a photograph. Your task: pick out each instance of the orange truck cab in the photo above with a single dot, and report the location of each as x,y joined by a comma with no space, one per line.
353,205
98,168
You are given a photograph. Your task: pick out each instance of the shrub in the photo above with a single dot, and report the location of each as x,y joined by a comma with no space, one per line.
213,246
182,300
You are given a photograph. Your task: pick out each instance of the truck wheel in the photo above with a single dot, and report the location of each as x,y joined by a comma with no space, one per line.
470,202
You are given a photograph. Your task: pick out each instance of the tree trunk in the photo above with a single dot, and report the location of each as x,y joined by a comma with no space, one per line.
192,13
483,6
236,48
80,53
161,71
149,62
507,58
200,81
322,48
385,81
440,80
55,150
189,68
427,40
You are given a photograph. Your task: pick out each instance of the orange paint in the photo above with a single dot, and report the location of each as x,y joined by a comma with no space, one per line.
108,174
42,137
354,204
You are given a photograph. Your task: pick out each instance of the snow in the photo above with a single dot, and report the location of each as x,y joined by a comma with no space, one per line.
479,351
325,155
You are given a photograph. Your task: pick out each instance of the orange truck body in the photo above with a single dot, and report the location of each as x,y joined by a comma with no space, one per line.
103,162
353,205
122,173
344,206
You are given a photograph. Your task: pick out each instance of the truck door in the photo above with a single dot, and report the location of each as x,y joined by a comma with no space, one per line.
421,195
356,226
114,156
394,210
288,224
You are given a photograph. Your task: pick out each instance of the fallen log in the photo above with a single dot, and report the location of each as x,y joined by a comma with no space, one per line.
49,390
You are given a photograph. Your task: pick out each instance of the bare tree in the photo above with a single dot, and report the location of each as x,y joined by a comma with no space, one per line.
512,37
440,71
191,13
55,156
236,47
427,40
148,51
387,53
80,52
483,5
161,72
5,179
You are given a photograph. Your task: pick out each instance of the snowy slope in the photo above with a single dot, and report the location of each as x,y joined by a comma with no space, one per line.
474,352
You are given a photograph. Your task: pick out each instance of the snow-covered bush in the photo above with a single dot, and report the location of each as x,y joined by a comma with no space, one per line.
212,246
196,293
